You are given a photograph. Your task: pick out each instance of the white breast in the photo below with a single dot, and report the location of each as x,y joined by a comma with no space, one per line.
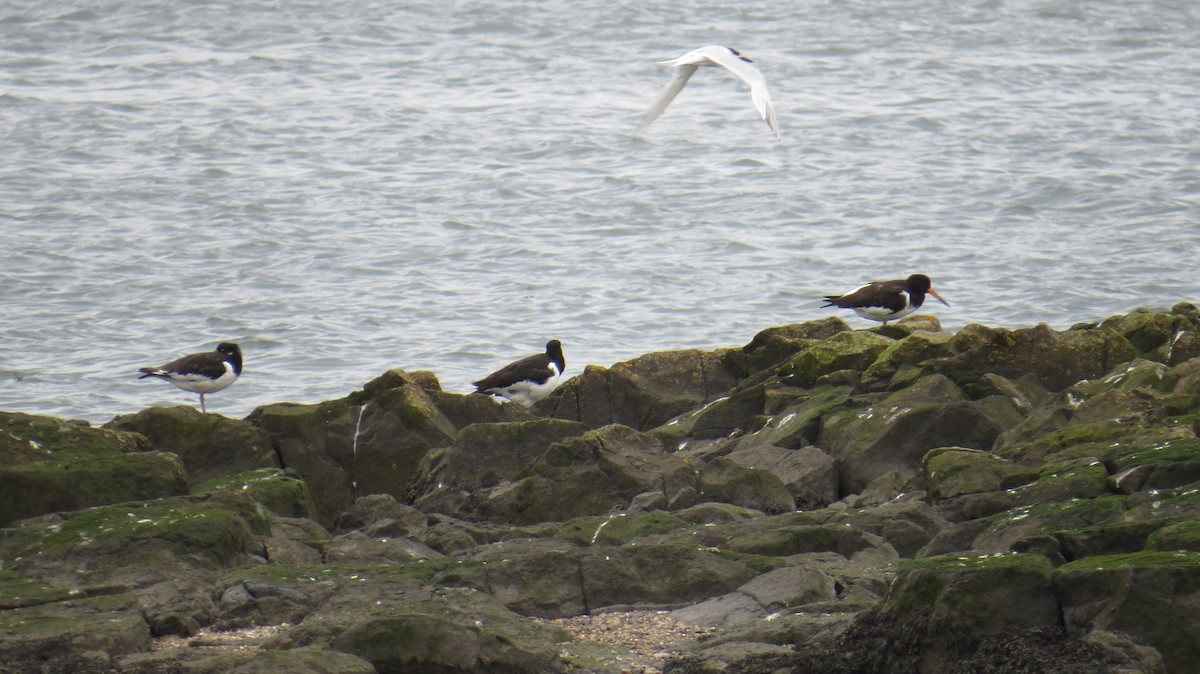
201,384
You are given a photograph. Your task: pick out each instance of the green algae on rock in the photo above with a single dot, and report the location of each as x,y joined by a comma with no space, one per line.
49,465
59,484
208,444
955,471
853,350
958,490
36,436
281,491
1150,596
196,532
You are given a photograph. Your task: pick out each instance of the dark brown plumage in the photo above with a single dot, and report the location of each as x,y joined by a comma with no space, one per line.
201,373
526,380
886,300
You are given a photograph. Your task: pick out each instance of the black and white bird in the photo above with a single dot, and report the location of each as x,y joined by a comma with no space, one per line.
886,300
201,373
714,56
527,380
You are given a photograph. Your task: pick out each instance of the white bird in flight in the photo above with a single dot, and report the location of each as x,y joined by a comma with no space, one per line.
714,55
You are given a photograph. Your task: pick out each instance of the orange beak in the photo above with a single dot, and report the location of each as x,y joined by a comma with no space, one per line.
939,297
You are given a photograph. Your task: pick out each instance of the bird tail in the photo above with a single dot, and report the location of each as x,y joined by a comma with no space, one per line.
831,301
151,372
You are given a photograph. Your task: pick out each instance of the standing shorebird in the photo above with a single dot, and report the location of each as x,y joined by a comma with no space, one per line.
201,373
527,380
886,300
713,56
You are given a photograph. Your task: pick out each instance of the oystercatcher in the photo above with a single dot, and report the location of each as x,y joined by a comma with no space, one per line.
886,300
527,380
201,373
715,56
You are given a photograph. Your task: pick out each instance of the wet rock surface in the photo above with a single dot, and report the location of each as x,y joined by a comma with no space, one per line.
898,499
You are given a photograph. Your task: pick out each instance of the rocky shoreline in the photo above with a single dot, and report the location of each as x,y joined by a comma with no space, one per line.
892,500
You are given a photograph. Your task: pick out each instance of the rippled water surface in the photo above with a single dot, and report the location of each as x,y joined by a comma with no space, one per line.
348,187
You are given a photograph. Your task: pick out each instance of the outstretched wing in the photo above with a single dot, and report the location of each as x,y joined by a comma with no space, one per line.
682,74
746,72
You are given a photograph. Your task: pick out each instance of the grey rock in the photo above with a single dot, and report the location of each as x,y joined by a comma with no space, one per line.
809,474
359,548
724,611
381,514
791,586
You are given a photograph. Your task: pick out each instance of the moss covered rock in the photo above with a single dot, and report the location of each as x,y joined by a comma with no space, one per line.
970,598
208,444
1110,538
598,472
638,575
27,437
318,442
1181,536
853,350
138,544
809,474
484,455
1137,408
547,471
907,525
1153,597
382,514
62,484
357,548
246,660
775,345
798,424
49,465
1183,378
728,481
791,586
1005,530
645,392
894,433
731,415
803,539
1149,332
394,431
1084,478
1093,439
911,350
954,471
76,635
619,528
1171,463
278,490
429,638
372,442
1055,359
446,630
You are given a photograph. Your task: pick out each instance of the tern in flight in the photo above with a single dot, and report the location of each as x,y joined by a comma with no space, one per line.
726,57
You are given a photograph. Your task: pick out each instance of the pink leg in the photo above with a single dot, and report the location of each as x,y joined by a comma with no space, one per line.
202,404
